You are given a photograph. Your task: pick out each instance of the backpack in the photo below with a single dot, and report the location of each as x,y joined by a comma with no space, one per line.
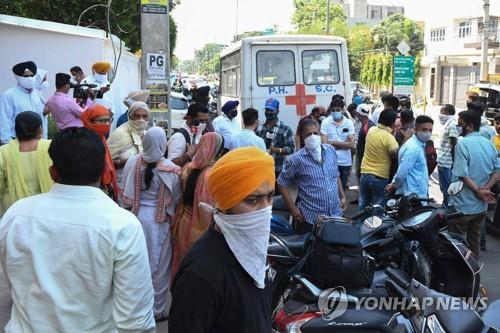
186,136
336,257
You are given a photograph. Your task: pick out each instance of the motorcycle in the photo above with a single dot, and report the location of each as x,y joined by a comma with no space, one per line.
425,310
406,234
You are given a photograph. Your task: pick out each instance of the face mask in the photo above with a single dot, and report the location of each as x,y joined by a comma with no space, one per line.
271,116
321,118
26,82
138,126
101,129
313,146
231,114
424,136
100,77
202,127
248,238
460,130
443,118
337,115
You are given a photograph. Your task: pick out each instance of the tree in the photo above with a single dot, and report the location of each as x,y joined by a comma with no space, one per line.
207,59
359,42
247,34
396,28
310,15
125,18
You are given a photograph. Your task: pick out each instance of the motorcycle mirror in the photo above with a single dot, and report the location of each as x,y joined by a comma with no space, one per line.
373,222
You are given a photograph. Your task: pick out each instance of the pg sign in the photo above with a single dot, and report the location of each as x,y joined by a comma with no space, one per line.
155,65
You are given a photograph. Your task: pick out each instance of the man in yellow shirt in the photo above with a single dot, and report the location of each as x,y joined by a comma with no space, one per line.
381,151
497,137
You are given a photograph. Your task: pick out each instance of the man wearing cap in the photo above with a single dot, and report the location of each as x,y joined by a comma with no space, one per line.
131,98
222,284
64,109
99,78
227,123
22,97
277,136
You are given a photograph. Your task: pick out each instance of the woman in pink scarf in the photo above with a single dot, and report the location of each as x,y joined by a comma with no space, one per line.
191,221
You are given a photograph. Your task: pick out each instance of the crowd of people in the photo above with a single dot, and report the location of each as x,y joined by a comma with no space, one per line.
125,217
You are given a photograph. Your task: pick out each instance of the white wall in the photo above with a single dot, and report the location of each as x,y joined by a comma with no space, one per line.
58,52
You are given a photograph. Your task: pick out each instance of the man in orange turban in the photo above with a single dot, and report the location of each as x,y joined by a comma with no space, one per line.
225,271
99,78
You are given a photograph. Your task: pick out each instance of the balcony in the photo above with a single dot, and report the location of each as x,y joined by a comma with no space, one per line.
493,40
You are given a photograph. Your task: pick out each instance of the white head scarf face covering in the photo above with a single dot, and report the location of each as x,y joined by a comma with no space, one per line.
247,235
40,84
138,126
137,106
154,144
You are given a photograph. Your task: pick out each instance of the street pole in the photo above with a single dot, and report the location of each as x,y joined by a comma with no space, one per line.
484,41
236,34
167,69
327,17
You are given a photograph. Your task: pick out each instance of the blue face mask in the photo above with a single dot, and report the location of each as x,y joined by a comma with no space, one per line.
337,115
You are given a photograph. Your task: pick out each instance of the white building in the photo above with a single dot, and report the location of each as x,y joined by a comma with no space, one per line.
452,58
360,11
57,47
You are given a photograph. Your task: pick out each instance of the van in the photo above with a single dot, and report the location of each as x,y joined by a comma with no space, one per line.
300,71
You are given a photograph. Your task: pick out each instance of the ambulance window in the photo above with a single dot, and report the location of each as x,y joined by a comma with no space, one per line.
230,75
275,68
320,67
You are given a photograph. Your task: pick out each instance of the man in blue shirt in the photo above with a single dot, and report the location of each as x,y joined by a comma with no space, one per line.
476,169
315,171
247,136
412,176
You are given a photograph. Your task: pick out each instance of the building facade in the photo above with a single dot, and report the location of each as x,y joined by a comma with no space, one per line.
452,58
360,11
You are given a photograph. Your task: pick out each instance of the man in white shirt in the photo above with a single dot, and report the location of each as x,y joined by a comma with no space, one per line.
182,145
22,97
338,131
74,261
99,78
227,123
247,136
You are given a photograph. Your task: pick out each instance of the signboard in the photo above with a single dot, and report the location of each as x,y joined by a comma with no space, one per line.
403,47
155,65
403,90
154,6
404,71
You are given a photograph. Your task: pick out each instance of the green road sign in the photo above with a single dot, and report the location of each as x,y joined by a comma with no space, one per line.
404,71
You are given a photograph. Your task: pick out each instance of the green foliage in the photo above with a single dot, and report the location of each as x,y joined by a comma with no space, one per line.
359,41
310,15
125,19
207,59
247,34
390,32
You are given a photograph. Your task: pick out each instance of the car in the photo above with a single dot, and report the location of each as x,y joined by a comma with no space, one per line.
179,104
489,95
358,89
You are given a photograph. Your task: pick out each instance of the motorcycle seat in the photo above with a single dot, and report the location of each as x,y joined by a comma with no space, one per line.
491,315
295,243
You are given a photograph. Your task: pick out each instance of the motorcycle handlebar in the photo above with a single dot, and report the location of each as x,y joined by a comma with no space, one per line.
357,215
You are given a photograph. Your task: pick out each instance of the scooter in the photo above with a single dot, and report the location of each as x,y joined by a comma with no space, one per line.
427,310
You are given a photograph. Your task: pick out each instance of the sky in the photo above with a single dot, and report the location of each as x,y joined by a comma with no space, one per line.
206,21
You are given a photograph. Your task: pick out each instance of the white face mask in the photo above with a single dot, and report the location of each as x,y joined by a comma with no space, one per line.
26,82
100,77
424,136
313,146
443,118
139,125
248,238
202,127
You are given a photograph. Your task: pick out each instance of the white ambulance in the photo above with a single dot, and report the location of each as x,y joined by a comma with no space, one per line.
300,71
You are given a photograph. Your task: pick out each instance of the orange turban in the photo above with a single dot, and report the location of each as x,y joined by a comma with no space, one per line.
239,173
101,67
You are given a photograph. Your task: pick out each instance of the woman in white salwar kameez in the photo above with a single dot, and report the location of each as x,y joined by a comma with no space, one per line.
151,189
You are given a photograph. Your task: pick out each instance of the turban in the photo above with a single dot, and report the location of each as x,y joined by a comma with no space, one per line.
238,174
137,106
136,96
203,91
22,67
101,67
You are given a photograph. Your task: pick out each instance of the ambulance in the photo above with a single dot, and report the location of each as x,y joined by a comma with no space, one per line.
300,71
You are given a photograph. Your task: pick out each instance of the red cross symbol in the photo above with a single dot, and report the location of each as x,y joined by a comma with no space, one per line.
300,100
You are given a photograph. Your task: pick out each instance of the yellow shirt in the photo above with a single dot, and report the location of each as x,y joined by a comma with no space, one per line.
497,142
380,143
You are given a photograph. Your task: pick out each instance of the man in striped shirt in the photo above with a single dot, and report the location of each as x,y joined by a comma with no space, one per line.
477,165
314,169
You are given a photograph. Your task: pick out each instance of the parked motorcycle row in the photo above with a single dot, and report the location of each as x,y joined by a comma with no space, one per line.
407,253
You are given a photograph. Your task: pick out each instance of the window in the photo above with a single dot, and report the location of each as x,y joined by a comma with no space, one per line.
230,74
432,83
275,68
179,104
464,29
438,35
320,67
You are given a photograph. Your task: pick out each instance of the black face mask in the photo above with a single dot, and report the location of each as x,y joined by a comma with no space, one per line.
232,114
271,116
